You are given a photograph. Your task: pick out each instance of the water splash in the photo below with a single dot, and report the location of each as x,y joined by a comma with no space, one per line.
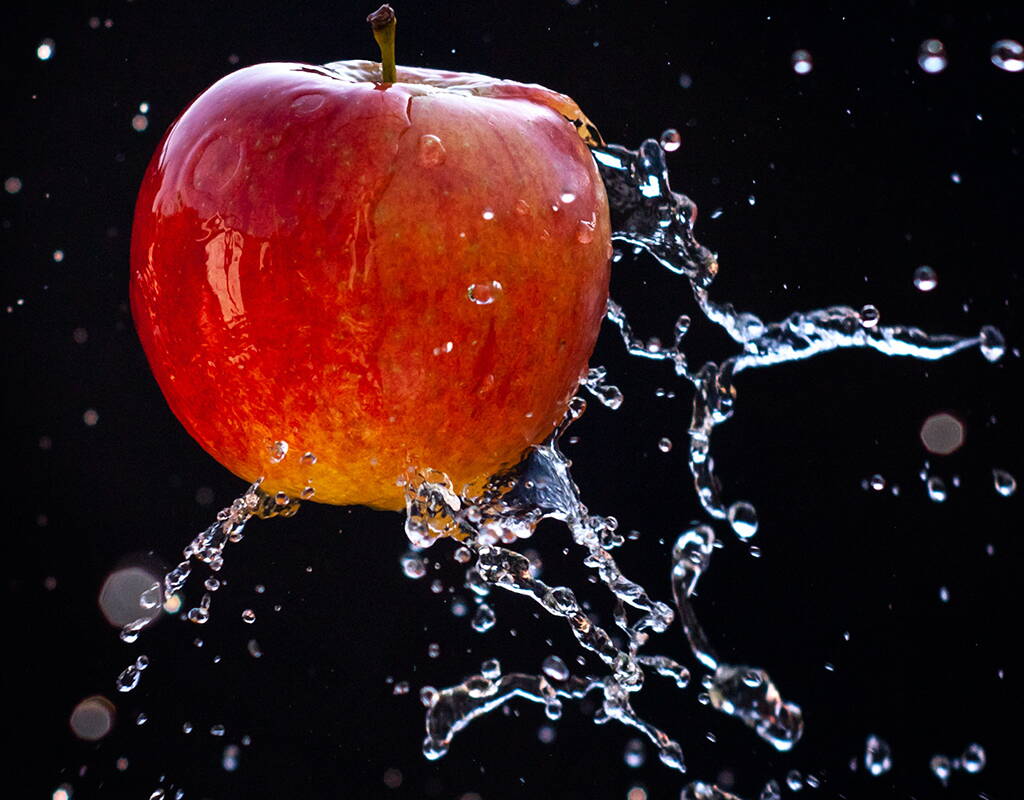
648,215
652,218
208,548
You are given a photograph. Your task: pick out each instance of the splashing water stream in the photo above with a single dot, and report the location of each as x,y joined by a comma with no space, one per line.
648,215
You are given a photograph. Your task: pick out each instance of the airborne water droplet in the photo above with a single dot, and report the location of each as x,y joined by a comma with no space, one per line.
993,345
743,519
1004,482
635,755
973,758
128,679
670,140
869,316
413,566
931,56
1008,54
248,616
802,62
555,668
229,761
483,619
491,669
46,49
925,279
877,756
936,488
151,598
940,767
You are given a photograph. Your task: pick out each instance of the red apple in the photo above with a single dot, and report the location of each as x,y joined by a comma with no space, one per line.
384,275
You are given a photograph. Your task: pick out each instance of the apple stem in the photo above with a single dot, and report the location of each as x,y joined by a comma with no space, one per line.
382,21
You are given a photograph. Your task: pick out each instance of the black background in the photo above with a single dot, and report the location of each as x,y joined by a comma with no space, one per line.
851,170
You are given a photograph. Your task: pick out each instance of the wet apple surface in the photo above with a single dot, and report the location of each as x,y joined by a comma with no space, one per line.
336,280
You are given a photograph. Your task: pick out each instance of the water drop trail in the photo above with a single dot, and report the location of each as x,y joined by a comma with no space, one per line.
647,214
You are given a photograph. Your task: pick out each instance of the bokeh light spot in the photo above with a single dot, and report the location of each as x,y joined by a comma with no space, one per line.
121,595
92,718
942,434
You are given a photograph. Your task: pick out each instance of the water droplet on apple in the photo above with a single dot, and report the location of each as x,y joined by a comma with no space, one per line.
217,165
483,294
1005,483
431,150
585,231
488,214
306,104
308,458
567,197
278,450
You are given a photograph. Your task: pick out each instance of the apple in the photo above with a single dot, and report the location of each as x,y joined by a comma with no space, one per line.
337,279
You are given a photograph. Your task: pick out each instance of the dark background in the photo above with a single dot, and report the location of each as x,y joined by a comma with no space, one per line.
851,170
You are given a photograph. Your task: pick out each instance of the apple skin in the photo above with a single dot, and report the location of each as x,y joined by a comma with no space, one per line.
304,244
